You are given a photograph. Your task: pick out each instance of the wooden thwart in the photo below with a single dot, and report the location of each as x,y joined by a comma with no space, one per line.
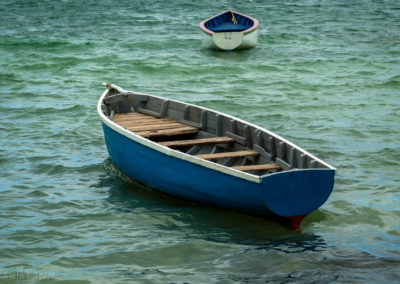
262,167
145,122
195,142
129,116
150,126
168,132
228,155
160,126
134,119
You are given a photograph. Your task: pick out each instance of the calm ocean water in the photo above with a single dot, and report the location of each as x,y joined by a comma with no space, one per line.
325,75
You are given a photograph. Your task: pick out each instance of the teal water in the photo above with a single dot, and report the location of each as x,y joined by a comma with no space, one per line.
325,75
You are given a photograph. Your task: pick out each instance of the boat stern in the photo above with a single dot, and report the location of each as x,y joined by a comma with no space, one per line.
295,194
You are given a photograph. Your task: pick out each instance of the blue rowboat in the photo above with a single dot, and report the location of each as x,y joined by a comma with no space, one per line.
229,30
210,157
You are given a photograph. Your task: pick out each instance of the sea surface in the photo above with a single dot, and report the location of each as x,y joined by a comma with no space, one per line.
324,75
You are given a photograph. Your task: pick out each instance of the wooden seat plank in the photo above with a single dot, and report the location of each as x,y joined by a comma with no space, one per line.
168,132
129,115
145,120
195,142
143,123
228,155
262,167
150,126
158,126
127,119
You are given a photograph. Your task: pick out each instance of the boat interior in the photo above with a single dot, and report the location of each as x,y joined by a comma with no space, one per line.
204,133
229,22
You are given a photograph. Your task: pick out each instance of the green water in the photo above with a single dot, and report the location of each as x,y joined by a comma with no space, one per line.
325,75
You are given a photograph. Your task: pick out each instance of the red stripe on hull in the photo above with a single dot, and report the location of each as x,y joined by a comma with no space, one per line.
295,221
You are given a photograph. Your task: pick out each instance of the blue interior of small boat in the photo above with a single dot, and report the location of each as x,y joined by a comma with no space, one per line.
226,23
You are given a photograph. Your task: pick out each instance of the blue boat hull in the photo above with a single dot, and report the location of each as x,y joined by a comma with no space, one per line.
285,194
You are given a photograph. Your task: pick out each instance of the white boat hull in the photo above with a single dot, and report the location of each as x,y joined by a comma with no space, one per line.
229,40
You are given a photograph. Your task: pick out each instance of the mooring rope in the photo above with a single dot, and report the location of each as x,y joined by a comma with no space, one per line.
233,18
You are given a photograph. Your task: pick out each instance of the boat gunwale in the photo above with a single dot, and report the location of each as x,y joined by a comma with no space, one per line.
247,31
192,159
